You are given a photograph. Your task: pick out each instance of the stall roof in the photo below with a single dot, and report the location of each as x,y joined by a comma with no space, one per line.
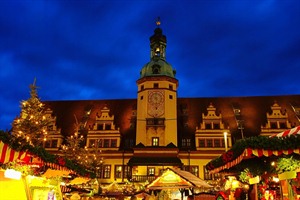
265,149
177,179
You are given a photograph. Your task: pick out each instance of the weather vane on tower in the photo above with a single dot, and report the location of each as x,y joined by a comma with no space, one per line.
158,21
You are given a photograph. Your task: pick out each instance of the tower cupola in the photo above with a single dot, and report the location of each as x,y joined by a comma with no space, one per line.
158,66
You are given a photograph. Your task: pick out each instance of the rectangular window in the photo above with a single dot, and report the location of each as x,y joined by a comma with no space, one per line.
92,143
217,143
100,127
100,143
106,171
142,97
283,125
155,85
194,170
107,126
54,143
142,87
207,176
209,143
151,171
170,96
170,87
113,143
118,171
201,142
155,121
106,143
216,126
208,126
188,142
48,144
155,141
273,125
183,142
127,172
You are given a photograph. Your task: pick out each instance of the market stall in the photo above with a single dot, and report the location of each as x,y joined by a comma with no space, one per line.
32,171
176,183
263,152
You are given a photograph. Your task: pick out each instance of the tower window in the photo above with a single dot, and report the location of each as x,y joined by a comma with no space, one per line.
155,85
142,87
142,97
171,87
155,141
170,96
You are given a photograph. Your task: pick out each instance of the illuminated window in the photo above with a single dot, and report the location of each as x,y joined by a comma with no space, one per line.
155,141
106,171
186,142
151,171
118,171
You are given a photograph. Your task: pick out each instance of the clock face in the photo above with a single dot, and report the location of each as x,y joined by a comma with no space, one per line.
156,98
156,106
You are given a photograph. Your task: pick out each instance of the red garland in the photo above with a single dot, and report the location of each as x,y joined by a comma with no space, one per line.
61,161
226,157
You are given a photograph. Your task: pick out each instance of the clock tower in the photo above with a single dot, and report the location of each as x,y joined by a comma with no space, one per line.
157,97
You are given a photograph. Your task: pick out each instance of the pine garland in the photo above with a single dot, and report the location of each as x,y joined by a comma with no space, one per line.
259,142
39,151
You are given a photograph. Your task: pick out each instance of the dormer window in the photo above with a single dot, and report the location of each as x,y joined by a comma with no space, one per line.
155,69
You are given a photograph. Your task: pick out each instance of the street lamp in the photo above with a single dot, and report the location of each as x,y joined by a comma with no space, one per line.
225,140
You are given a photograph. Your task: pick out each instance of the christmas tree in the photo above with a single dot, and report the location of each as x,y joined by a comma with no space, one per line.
76,150
31,126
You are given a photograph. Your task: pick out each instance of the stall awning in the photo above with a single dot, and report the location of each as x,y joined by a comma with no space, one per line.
254,152
293,131
7,154
248,153
154,161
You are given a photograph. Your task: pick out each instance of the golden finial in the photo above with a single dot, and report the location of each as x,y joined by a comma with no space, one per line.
158,21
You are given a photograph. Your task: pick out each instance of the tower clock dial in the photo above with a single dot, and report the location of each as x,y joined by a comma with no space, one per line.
156,103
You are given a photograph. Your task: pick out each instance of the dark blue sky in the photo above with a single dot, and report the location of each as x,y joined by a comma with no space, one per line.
87,49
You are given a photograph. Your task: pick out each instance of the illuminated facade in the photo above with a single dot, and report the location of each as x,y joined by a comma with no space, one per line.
139,138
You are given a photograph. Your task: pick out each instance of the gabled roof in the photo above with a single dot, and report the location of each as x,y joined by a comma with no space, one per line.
177,179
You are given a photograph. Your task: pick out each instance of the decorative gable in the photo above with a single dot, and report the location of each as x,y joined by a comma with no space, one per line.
103,133
277,121
212,133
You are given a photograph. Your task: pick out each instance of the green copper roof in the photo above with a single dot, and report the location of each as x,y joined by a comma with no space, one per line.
157,67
